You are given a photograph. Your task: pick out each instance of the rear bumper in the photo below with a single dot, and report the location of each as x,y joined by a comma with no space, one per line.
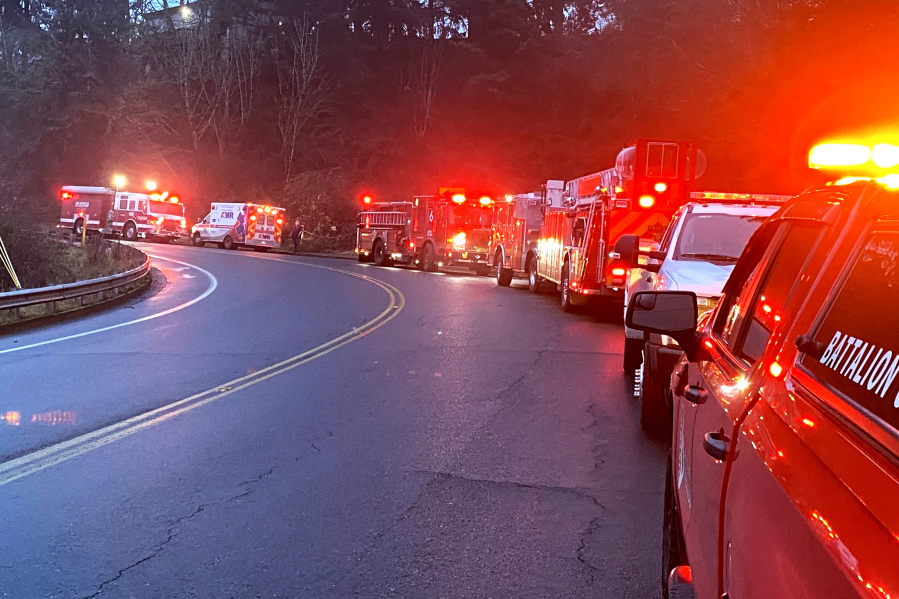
467,257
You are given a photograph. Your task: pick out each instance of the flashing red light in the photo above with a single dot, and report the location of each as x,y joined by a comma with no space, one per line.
67,195
618,272
776,369
366,200
647,201
252,217
280,221
661,187
174,199
485,200
459,198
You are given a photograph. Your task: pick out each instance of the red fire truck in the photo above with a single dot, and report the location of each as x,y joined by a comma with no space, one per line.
516,232
446,229
651,179
157,217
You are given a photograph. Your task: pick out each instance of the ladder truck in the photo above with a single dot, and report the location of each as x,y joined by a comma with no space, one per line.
651,179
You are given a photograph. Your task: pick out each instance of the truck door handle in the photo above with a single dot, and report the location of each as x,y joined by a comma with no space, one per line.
696,395
715,444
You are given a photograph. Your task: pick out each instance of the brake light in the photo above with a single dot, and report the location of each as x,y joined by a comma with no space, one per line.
618,272
647,201
661,187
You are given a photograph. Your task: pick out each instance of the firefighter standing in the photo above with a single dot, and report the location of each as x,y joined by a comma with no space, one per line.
296,235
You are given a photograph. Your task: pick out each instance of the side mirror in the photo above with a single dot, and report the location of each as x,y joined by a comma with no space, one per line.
627,248
672,313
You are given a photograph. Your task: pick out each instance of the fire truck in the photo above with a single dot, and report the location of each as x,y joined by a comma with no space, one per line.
451,228
516,232
651,179
158,217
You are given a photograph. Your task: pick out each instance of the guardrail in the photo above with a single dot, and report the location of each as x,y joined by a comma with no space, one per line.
14,300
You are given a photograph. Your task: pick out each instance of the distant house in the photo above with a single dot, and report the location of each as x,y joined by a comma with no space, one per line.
186,15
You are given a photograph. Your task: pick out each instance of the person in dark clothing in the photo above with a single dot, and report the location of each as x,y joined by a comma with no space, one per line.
296,235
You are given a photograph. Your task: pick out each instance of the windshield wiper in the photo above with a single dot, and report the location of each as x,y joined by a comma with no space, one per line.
720,257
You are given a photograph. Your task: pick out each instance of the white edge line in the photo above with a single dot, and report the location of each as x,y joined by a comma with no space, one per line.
212,286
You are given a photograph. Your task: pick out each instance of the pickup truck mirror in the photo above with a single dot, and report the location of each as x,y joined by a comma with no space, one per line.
627,247
672,313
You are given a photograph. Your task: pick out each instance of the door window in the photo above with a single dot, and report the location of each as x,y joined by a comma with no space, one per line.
746,322
860,360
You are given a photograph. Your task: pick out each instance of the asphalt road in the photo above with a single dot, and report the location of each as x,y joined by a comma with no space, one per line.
271,426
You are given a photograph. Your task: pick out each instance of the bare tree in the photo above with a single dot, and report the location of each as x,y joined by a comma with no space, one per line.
302,89
424,84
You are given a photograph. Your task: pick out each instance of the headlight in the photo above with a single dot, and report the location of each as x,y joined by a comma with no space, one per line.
459,241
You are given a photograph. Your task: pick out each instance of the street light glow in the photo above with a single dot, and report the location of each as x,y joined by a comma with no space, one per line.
151,185
119,180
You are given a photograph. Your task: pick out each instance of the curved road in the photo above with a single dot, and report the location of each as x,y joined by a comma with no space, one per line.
270,426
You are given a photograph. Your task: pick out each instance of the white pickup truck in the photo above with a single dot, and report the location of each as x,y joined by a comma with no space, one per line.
697,253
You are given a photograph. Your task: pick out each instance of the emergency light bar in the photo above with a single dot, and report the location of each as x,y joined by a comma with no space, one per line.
842,155
739,198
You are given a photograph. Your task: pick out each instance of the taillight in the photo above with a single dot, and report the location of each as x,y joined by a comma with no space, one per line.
618,272
183,222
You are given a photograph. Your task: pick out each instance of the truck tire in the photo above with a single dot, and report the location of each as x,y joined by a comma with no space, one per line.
673,552
429,258
379,254
228,243
565,295
655,418
76,228
482,270
198,241
533,277
633,355
503,275
129,232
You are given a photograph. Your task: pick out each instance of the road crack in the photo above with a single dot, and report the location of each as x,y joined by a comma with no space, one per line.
171,531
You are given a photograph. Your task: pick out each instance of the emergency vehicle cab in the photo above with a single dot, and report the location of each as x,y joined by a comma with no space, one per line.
697,253
784,472
232,225
451,228
652,178
155,217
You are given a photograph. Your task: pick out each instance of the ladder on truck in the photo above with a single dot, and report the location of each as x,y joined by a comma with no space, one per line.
371,220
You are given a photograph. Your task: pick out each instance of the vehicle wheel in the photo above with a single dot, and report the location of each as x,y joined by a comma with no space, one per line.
566,292
503,275
654,415
482,270
633,355
76,229
429,258
379,254
198,241
228,243
673,550
129,232
533,278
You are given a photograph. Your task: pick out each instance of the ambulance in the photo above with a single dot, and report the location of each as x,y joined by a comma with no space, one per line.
231,225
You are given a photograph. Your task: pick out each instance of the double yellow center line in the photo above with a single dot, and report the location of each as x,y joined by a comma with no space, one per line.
25,465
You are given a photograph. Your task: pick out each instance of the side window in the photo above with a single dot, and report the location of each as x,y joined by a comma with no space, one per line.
123,202
669,233
746,321
131,205
577,234
860,359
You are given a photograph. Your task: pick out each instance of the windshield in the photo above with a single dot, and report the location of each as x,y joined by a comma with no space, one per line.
168,208
715,237
470,216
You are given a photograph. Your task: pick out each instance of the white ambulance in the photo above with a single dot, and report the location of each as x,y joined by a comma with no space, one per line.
232,225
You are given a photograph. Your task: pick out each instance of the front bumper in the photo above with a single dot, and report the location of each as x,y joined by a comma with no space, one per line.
469,257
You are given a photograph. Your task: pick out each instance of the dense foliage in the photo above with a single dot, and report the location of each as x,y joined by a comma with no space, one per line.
308,103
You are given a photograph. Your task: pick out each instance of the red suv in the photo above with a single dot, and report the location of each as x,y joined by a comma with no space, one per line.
784,472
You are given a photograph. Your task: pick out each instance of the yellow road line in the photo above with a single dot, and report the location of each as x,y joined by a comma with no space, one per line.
20,467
